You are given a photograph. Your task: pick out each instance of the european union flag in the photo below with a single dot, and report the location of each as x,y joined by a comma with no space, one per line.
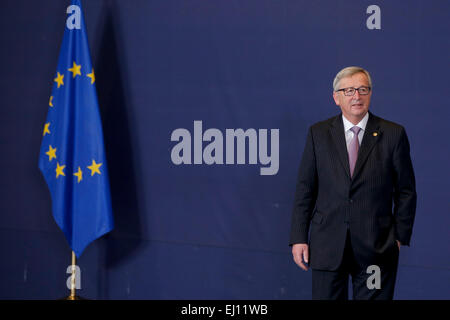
72,157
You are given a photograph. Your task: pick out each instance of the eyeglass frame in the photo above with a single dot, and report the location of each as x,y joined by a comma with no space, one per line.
356,89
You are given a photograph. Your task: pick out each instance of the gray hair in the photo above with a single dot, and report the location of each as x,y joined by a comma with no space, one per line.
348,72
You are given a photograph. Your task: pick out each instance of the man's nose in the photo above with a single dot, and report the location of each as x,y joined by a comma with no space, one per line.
356,95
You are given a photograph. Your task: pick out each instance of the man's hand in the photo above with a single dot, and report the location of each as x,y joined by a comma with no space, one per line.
300,252
398,244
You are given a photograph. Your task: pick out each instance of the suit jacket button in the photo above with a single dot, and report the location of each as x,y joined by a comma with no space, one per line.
350,200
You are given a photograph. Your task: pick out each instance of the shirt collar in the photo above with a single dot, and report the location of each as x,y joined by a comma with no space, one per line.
362,124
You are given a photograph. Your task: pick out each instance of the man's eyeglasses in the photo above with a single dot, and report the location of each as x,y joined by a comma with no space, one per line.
363,91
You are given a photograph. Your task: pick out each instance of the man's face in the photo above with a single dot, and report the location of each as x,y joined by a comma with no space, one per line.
353,107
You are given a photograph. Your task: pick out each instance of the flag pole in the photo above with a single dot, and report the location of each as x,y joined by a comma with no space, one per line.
73,287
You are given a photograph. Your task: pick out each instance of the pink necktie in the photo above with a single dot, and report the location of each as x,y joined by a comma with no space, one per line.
353,149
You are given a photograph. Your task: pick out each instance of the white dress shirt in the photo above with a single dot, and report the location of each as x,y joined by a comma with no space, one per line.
349,133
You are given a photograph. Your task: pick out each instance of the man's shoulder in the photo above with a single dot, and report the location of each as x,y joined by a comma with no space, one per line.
325,124
387,125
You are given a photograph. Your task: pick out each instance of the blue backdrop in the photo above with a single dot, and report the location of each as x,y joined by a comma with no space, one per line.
220,231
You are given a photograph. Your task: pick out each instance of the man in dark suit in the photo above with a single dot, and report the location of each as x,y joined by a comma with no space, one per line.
355,197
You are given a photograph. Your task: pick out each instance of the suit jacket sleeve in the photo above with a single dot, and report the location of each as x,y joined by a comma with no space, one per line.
305,194
405,197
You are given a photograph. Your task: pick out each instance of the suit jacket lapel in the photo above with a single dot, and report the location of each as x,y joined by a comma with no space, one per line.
338,136
371,137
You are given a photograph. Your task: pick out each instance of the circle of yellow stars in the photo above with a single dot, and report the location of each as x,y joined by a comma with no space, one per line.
51,153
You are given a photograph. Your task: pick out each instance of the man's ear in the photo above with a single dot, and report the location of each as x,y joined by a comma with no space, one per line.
335,97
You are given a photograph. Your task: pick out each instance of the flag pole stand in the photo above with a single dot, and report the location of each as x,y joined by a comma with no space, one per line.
73,288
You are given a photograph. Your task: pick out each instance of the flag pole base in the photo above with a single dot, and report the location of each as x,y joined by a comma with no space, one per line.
73,298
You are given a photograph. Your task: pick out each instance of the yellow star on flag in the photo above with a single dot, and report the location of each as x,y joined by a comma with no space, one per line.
94,167
75,69
59,80
50,103
59,170
51,153
46,129
92,76
79,175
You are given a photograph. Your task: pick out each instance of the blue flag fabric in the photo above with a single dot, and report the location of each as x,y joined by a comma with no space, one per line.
72,157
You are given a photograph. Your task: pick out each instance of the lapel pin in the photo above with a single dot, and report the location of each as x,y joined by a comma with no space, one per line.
375,134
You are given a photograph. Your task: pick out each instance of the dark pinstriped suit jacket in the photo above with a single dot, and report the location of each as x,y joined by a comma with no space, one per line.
377,205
